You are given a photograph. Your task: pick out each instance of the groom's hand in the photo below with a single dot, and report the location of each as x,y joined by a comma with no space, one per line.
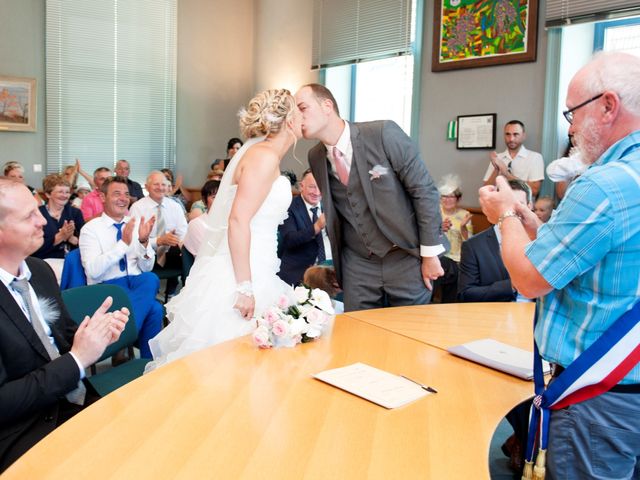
431,270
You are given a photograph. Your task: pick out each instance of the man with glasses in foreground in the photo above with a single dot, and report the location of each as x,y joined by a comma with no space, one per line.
584,266
516,162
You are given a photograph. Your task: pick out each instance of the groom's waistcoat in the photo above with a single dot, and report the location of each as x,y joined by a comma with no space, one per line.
360,231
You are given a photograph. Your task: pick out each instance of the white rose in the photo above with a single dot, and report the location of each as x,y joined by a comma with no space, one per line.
301,294
317,318
298,327
321,299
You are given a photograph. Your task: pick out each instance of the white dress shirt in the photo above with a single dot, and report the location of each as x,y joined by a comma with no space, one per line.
325,237
196,231
172,214
25,273
101,252
527,165
344,145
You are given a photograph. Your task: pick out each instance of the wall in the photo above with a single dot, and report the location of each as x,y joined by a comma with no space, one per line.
512,91
215,77
22,55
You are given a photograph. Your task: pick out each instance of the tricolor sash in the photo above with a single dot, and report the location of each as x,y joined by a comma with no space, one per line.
596,370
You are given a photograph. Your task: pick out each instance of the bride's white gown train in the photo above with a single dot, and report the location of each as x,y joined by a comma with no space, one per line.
202,314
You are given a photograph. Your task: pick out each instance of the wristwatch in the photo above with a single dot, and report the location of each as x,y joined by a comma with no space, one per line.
507,214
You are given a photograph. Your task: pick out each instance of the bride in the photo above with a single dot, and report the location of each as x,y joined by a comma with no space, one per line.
234,275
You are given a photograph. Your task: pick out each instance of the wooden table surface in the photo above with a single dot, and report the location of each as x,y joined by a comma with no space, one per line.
234,411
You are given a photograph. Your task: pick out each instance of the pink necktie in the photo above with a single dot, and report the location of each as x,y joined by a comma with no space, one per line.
341,166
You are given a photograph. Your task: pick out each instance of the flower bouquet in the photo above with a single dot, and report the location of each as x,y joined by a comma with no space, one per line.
294,320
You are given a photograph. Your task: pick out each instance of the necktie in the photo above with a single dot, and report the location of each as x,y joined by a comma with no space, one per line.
319,240
123,260
161,251
22,287
341,165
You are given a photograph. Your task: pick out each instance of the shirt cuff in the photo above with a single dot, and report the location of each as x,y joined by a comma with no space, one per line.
153,243
82,374
431,251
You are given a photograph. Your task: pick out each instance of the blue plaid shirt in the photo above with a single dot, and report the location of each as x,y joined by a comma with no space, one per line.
589,252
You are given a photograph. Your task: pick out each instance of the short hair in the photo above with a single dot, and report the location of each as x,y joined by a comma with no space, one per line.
9,166
101,169
546,198
52,181
322,277
216,162
208,189
232,142
305,173
5,185
115,179
516,184
613,71
166,171
323,93
152,173
515,122
123,160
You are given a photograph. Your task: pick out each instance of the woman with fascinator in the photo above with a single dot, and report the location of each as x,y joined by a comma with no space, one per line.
234,276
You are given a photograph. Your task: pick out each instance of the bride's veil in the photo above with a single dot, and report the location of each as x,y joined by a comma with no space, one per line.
217,221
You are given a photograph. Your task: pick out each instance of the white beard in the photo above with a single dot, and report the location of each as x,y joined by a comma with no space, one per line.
589,142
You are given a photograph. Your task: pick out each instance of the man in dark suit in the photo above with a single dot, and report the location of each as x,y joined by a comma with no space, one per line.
382,207
42,353
303,238
482,277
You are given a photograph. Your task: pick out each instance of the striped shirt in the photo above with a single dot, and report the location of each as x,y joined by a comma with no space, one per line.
589,252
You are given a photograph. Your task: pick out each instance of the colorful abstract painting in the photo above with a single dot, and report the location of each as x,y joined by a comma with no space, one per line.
17,104
472,30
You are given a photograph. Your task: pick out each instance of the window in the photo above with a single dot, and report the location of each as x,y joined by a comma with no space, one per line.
378,86
620,35
111,81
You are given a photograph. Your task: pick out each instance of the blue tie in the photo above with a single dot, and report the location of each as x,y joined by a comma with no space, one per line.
319,240
123,260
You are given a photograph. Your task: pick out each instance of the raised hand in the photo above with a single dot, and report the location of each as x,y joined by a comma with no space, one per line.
169,239
144,230
127,231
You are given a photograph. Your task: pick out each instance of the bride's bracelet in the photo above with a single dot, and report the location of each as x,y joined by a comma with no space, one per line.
245,288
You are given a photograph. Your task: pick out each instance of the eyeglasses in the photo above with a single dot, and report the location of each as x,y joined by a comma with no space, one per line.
568,114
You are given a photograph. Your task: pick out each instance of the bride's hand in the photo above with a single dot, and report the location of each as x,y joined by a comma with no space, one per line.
245,305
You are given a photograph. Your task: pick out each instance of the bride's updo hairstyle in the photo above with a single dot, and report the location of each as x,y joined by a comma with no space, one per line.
267,113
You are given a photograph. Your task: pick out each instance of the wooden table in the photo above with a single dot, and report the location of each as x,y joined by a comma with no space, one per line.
233,411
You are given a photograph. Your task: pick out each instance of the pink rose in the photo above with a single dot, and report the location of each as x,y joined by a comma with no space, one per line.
280,328
271,316
317,317
283,302
261,337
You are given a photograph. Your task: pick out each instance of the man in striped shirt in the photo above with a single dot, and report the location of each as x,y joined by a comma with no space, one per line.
584,264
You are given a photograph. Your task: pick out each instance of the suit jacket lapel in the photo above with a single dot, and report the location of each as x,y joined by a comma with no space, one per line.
494,248
301,212
362,166
14,313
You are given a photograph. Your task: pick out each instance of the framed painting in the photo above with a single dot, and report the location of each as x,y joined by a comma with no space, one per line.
476,131
481,33
17,104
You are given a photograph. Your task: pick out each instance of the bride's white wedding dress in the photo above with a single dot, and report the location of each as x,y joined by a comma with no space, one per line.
202,314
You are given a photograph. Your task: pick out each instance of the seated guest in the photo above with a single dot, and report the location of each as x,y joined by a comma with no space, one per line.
43,353
116,249
303,237
543,208
92,205
170,227
324,278
81,192
175,189
123,169
456,225
233,145
70,174
63,225
196,230
483,276
15,171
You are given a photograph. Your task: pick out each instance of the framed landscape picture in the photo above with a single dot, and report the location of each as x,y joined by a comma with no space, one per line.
480,33
17,104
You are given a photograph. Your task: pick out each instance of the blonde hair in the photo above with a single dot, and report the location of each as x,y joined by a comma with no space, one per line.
267,112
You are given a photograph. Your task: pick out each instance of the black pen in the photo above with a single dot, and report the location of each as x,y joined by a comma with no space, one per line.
425,387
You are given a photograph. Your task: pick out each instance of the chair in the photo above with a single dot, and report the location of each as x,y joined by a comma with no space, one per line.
72,272
82,301
187,262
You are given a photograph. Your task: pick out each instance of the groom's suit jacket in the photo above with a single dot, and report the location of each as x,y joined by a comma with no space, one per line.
482,276
404,201
298,243
32,387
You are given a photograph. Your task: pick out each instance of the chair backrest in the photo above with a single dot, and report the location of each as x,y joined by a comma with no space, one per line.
83,301
187,262
72,272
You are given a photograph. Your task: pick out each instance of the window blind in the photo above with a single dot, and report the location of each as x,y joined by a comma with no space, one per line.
351,31
563,12
111,83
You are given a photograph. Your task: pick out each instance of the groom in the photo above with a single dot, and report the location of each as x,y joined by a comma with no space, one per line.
381,205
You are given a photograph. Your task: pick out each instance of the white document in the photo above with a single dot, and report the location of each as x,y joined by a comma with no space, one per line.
377,386
500,356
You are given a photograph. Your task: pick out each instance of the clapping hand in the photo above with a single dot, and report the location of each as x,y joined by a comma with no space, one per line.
466,220
446,224
169,239
499,165
65,232
144,230
96,333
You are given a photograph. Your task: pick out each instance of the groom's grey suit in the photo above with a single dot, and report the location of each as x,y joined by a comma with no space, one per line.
381,220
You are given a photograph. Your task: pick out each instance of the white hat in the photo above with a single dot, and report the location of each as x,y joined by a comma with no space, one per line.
449,184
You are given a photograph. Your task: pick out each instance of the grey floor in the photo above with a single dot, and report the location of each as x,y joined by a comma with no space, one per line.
498,462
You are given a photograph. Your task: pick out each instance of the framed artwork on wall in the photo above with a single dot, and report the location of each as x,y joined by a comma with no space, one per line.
481,33
476,131
17,104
